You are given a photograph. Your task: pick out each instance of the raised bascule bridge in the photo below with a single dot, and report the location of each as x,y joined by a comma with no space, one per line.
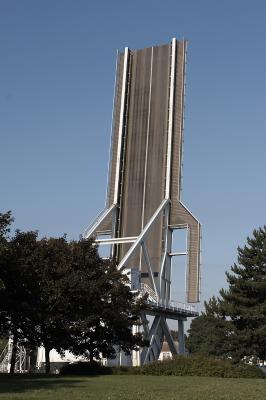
143,205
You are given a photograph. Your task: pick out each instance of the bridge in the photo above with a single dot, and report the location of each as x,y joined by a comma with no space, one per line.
143,204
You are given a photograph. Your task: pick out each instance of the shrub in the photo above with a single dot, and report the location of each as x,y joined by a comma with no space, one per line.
85,368
201,366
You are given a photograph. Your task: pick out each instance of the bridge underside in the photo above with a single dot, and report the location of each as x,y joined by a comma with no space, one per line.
159,331
144,205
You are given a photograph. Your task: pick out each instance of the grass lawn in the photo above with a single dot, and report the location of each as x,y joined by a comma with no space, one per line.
129,387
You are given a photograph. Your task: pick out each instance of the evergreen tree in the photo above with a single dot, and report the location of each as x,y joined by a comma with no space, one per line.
245,300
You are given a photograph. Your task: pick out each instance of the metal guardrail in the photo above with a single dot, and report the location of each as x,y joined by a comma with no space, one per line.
144,288
97,221
180,309
172,305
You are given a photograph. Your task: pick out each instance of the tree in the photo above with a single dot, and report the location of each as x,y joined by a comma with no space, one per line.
83,302
209,334
235,324
8,304
245,300
5,222
51,318
17,263
64,296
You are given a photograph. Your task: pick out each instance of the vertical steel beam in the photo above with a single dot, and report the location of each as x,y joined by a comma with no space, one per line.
181,336
170,119
182,119
136,353
146,154
121,124
165,272
165,275
111,136
147,259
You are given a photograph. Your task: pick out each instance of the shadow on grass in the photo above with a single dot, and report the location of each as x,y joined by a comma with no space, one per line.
21,383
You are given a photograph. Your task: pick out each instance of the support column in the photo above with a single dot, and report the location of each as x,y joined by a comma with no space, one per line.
181,336
156,334
136,353
165,273
168,337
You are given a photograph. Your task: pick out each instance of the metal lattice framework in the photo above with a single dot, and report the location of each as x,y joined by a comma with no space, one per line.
21,358
144,205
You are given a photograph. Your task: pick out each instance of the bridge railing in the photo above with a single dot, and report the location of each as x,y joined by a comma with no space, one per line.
146,289
174,305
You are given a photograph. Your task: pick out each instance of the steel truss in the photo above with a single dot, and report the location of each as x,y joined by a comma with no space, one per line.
21,358
158,304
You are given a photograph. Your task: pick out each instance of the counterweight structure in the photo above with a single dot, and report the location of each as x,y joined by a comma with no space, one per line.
144,205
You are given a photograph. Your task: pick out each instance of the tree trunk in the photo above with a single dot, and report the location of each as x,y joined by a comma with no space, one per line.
47,360
13,355
91,356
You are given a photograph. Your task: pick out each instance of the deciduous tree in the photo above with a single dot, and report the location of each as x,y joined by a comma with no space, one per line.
209,334
63,296
17,263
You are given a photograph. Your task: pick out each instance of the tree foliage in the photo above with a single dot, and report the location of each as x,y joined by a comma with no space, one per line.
17,293
63,296
210,332
5,221
245,300
235,324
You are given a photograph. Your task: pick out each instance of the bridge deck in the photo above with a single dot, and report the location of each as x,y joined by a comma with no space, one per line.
170,311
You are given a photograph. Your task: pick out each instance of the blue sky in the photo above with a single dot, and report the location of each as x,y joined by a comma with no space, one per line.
57,65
